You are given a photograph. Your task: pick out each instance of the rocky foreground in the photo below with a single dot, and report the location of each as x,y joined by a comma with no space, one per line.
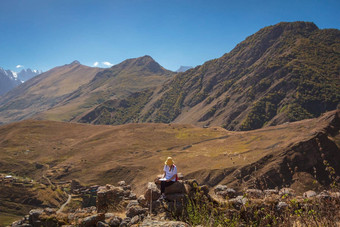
189,204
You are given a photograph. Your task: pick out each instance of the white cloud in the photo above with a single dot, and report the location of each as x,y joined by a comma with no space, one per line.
106,63
96,64
19,66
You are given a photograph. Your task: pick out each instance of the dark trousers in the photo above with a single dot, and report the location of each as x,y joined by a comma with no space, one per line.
165,184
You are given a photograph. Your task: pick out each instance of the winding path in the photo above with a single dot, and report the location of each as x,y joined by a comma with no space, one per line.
62,206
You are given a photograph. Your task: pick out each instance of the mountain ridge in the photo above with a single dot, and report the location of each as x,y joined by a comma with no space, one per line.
65,92
43,91
284,72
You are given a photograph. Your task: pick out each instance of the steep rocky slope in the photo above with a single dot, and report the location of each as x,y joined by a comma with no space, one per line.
285,72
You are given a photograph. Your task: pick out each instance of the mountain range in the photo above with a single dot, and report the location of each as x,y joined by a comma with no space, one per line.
10,79
65,92
44,91
282,73
26,74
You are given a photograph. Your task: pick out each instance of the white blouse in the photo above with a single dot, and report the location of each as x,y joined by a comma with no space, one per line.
168,173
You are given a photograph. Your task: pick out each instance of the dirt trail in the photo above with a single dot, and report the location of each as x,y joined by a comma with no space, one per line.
62,206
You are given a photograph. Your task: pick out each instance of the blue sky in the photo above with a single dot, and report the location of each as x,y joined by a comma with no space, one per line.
42,34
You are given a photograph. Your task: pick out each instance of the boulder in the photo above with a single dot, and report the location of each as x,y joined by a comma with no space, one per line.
177,187
135,220
152,192
132,203
121,183
115,221
309,194
109,196
135,210
255,193
102,224
132,196
324,195
18,223
142,201
238,201
229,193
178,197
34,217
126,193
127,187
50,211
281,205
92,220
126,222
220,188
270,192
108,216
286,192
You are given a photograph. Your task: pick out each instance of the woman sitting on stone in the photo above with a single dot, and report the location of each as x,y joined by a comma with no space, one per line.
169,177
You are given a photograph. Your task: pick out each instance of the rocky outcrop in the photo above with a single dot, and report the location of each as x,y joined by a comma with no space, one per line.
177,187
224,192
138,211
92,220
152,192
111,198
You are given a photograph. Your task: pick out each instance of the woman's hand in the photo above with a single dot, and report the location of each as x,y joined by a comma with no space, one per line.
167,180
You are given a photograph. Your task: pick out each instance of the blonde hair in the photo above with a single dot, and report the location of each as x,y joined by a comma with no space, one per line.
169,161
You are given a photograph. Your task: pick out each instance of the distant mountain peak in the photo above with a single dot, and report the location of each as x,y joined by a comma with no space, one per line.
142,63
26,74
75,62
145,59
183,68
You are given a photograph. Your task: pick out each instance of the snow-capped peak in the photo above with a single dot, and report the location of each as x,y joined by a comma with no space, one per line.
15,75
26,74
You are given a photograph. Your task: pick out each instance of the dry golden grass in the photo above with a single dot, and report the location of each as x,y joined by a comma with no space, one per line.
97,154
